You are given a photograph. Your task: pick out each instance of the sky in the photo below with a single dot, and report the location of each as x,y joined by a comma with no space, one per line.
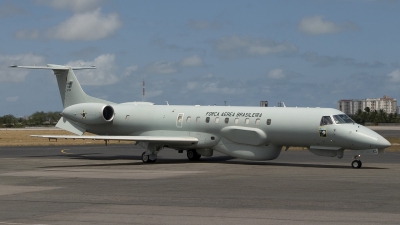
233,52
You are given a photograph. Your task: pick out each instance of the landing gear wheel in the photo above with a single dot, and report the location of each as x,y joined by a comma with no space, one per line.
152,161
193,155
356,164
145,158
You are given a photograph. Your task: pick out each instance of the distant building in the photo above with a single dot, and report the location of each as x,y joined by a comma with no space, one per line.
264,103
388,104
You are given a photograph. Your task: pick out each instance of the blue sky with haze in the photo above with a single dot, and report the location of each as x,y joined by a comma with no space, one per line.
305,53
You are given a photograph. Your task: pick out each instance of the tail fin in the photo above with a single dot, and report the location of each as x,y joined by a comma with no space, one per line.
70,90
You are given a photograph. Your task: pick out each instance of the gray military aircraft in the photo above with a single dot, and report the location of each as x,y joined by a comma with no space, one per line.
252,133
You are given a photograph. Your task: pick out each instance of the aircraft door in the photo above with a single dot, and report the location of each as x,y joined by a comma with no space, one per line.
179,120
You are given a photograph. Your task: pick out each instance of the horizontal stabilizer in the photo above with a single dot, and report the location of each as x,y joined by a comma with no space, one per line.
53,67
70,126
152,139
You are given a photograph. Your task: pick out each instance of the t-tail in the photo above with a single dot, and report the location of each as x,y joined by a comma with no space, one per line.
72,97
70,90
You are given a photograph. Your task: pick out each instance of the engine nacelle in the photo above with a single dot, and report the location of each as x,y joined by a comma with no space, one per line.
89,113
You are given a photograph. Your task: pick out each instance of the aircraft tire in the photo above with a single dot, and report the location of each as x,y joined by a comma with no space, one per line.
152,161
356,164
192,154
145,158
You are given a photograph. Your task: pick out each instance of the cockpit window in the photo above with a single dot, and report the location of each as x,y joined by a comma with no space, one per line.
342,118
326,120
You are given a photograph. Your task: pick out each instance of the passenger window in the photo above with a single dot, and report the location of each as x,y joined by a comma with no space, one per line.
257,121
325,120
198,119
226,120
236,120
216,119
207,119
247,121
180,118
188,119
268,121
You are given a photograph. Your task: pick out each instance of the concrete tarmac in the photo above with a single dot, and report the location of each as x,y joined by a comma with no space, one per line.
387,131
110,185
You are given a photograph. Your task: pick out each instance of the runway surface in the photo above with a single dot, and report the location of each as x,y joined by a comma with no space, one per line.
387,131
110,185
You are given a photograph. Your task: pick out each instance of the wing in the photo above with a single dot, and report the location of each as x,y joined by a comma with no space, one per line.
153,139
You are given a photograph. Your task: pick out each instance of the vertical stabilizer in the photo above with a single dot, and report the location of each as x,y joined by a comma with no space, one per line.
70,90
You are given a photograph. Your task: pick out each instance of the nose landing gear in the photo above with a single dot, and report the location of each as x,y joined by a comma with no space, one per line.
356,164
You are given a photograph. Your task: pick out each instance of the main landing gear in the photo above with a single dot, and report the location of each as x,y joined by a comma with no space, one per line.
356,164
193,155
150,155
146,158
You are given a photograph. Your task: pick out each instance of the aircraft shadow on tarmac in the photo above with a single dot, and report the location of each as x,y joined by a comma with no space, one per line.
164,161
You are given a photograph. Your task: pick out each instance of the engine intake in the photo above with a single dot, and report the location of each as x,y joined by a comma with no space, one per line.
108,113
89,113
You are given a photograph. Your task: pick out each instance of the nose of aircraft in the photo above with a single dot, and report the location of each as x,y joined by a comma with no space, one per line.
360,137
382,142
372,138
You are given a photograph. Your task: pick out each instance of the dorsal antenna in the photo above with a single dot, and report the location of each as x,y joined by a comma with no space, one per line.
143,92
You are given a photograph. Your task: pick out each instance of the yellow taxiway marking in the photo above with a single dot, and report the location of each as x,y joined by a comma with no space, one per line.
64,152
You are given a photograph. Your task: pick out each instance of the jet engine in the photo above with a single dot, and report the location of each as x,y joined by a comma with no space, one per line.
89,113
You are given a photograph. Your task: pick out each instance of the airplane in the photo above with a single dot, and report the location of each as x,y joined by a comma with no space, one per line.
251,133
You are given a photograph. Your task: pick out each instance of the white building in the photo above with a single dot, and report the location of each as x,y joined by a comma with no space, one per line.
388,104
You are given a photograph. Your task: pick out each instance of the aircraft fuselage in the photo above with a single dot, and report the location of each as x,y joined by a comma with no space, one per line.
241,128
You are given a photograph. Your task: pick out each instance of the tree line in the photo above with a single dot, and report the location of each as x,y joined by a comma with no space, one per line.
374,116
36,119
